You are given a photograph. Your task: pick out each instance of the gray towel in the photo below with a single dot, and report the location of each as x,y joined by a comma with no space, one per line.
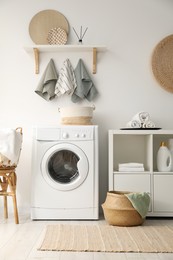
85,87
46,86
140,201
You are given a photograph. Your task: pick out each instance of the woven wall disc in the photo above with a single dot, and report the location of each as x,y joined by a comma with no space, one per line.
43,22
57,36
162,63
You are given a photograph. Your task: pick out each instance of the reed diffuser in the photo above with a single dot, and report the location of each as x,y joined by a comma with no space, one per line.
81,34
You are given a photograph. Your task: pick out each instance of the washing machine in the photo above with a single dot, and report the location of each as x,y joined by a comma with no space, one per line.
65,176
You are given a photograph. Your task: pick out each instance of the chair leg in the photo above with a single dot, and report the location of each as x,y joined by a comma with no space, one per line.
9,181
16,217
12,185
5,207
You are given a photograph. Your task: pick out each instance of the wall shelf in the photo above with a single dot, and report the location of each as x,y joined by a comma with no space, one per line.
37,49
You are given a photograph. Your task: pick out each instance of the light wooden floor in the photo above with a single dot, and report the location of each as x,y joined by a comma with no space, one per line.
19,242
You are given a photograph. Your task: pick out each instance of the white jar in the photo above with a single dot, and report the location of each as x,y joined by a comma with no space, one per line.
170,146
164,160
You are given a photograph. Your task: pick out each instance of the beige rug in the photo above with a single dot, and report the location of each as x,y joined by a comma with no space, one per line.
105,238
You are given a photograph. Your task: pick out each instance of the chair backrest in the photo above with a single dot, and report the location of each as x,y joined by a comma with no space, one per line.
10,146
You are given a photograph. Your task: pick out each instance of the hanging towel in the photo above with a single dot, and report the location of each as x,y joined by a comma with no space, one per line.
140,201
46,86
67,81
85,87
10,146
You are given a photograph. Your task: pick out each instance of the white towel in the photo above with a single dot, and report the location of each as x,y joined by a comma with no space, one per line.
142,117
10,146
132,164
134,124
66,83
149,124
141,120
131,169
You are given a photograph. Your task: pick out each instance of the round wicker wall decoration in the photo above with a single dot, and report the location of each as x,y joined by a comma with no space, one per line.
41,24
162,63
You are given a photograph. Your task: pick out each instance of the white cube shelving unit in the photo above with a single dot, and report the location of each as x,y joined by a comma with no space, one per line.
141,146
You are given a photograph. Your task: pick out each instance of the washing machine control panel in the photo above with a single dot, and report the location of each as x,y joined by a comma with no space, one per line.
79,133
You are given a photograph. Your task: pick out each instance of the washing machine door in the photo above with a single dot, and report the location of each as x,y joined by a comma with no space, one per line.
64,166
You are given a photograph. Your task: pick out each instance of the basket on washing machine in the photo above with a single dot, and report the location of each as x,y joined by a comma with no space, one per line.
76,115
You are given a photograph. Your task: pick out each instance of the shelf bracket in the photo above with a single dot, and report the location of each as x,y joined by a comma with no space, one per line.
94,60
36,55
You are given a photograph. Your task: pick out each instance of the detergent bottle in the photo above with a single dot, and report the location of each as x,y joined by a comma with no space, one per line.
164,160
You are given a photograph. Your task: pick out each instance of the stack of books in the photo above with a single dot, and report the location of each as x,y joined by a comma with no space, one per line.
131,167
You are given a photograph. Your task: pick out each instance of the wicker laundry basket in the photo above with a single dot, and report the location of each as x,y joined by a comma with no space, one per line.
118,210
76,115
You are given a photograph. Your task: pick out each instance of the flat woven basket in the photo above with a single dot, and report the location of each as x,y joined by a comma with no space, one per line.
42,22
57,36
162,63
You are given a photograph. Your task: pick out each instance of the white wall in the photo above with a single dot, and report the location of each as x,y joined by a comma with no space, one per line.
129,29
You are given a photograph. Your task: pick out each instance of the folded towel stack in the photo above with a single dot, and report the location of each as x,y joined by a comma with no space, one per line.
131,167
141,120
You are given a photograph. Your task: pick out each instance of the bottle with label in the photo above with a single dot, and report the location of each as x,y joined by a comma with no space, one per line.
164,161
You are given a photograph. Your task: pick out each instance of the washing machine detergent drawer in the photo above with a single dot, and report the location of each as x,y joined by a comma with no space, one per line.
48,134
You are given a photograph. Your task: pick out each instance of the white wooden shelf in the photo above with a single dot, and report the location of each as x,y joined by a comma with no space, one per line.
37,49
141,146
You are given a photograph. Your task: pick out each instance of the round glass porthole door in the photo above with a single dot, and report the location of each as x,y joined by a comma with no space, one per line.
64,166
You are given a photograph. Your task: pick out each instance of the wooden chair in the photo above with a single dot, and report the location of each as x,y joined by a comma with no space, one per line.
8,181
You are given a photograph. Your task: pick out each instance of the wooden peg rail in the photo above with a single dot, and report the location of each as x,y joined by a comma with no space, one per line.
64,48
